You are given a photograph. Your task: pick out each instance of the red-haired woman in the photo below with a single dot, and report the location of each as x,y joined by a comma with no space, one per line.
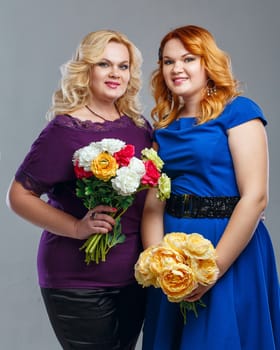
214,146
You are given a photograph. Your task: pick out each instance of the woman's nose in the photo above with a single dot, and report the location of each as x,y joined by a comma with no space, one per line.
177,67
114,73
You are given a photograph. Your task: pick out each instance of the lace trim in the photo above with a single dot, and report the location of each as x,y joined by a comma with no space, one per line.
68,121
29,183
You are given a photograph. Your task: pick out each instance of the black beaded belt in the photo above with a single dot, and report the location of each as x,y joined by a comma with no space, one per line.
190,206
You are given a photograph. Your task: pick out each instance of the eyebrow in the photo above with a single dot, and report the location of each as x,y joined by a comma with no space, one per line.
107,60
182,56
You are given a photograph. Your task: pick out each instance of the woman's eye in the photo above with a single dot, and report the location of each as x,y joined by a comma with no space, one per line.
167,62
102,64
124,66
189,59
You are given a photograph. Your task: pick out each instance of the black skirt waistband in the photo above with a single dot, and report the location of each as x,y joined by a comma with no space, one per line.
190,206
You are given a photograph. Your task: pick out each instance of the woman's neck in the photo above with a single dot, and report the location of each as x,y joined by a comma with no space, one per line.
104,109
189,109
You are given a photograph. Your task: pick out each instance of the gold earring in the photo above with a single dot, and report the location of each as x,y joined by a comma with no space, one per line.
211,88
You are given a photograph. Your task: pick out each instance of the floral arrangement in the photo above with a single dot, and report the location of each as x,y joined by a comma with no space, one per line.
177,265
108,173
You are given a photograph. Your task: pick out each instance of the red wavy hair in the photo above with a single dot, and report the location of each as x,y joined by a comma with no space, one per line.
217,65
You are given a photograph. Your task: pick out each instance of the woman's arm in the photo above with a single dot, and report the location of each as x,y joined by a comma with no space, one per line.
152,230
152,221
32,208
248,145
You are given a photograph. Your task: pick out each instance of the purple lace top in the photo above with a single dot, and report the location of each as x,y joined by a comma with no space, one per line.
47,169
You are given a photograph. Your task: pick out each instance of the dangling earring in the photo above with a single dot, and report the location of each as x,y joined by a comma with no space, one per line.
211,88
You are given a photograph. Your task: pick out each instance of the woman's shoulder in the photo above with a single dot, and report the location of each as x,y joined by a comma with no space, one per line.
66,120
240,102
240,110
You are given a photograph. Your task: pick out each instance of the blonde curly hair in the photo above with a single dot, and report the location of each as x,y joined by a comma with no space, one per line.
217,65
74,89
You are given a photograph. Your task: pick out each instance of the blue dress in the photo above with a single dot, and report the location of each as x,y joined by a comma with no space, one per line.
243,308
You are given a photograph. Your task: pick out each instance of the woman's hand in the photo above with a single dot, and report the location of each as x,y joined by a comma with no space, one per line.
97,220
198,292
32,208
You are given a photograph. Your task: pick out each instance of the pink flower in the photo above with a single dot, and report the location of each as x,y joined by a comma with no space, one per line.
152,174
124,155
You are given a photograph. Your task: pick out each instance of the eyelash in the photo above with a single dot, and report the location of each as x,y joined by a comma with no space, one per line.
106,64
124,66
186,60
167,62
189,59
102,64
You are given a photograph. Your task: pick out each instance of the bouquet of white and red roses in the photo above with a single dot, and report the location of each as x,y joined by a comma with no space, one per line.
177,265
108,173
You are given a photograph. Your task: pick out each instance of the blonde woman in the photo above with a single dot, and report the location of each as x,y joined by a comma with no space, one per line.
214,147
97,306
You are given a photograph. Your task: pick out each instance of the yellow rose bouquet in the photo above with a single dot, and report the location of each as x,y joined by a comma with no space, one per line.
108,173
177,265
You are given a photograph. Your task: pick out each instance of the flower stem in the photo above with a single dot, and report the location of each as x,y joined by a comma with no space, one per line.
97,246
186,306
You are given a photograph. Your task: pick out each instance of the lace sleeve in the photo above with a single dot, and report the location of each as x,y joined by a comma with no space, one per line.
29,183
49,160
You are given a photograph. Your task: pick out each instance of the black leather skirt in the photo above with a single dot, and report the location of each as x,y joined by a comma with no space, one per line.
96,319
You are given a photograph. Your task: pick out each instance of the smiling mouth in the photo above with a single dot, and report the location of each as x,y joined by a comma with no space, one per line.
112,84
178,81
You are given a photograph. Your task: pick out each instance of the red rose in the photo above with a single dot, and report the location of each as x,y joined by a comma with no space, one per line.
152,174
124,155
81,173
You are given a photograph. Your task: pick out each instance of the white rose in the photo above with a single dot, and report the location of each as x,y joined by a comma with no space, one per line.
111,145
137,166
126,182
85,156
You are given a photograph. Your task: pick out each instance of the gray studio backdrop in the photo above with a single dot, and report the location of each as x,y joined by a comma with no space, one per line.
36,37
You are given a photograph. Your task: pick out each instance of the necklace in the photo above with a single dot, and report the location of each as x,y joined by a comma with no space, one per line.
98,115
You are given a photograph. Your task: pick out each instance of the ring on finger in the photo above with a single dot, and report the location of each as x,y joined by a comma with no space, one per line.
93,216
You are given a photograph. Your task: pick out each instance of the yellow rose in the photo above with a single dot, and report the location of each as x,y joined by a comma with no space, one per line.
177,281
176,241
142,270
162,257
206,271
104,166
199,247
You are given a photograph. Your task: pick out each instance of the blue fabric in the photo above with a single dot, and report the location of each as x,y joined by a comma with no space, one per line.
243,308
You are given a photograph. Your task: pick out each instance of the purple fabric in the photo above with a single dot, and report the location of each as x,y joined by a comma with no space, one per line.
47,169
